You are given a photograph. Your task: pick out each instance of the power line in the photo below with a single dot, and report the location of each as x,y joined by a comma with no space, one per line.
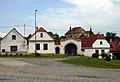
11,26
49,28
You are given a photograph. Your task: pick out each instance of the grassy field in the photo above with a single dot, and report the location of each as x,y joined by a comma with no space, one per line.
92,62
32,55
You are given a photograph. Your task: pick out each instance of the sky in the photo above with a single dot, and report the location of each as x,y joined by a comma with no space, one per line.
58,15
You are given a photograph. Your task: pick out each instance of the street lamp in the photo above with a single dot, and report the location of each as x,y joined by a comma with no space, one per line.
35,30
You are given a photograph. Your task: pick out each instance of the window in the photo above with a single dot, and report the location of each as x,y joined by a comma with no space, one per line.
45,47
37,46
13,48
41,35
97,51
102,51
101,43
83,50
71,36
3,50
13,37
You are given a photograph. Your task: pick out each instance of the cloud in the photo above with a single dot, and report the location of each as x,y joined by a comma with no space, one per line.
2,34
102,15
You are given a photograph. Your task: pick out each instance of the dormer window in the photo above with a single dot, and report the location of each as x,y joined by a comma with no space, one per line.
41,35
101,43
13,37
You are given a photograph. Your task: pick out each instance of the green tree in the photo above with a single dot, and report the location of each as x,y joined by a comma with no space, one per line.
111,35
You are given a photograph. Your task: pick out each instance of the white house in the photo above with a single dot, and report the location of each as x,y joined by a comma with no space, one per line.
72,45
0,43
94,44
13,42
44,42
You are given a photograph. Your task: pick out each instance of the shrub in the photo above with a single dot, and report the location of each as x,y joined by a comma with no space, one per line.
21,54
108,57
37,54
6,54
10,54
103,56
95,55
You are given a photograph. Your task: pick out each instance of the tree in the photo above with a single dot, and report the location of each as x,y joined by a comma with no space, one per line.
111,35
62,37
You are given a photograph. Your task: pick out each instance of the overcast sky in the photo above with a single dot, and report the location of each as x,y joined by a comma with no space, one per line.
57,15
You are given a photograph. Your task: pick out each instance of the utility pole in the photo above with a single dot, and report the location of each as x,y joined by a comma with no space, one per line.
24,30
35,31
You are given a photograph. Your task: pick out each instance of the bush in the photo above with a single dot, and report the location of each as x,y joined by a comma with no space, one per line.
103,56
37,54
6,54
95,55
52,55
108,57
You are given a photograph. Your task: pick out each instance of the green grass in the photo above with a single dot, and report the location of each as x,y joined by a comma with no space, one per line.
32,55
92,62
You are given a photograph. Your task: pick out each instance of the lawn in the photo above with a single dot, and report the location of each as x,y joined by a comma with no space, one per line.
32,55
92,62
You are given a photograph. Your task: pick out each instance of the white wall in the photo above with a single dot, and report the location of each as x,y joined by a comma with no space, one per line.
51,47
104,45
45,36
97,46
46,39
89,52
20,42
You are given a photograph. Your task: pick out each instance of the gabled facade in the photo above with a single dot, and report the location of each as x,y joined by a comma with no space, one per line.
0,43
13,42
75,32
44,42
94,44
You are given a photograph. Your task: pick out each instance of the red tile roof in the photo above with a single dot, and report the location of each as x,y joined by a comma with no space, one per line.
41,29
116,49
115,46
88,41
75,30
99,36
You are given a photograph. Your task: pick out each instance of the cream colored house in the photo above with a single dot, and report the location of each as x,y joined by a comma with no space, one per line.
44,42
72,45
14,42
94,44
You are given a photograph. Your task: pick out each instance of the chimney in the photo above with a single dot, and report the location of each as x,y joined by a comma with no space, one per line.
36,28
102,35
110,40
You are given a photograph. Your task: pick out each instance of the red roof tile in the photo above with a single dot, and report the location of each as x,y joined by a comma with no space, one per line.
75,30
41,30
99,36
88,41
115,46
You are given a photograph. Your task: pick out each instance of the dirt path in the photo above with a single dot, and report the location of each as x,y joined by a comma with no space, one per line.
49,70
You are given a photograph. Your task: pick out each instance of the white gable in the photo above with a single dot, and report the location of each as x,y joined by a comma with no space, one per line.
19,41
46,36
101,43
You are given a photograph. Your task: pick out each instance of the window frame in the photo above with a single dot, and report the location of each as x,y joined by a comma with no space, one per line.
3,50
37,47
101,42
13,37
97,51
41,35
13,48
45,46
